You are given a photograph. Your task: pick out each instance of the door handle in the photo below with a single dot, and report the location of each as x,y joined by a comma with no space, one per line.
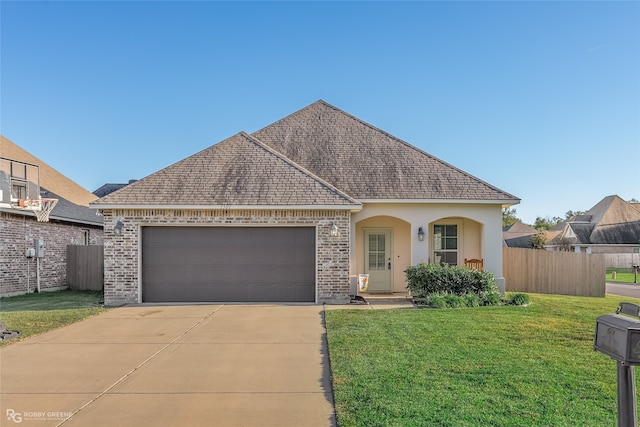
389,265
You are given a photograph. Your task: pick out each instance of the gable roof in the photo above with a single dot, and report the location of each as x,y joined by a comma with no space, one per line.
67,211
109,188
616,222
50,178
368,163
610,221
239,171
521,228
518,235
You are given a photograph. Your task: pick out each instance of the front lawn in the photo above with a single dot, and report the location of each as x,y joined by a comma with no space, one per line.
486,366
623,275
33,314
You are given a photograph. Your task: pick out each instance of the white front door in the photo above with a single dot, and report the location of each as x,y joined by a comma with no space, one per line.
377,258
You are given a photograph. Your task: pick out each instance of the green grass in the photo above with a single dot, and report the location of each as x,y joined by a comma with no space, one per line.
623,275
486,366
34,314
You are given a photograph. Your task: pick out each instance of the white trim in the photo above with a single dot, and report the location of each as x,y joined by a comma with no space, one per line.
508,202
230,207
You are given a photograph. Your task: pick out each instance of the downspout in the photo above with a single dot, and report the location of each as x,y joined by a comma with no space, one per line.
38,272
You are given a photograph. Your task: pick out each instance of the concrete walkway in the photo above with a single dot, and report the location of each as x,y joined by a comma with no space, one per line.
199,365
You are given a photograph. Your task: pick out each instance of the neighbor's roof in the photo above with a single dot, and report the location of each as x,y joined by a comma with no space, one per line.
50,178
239,171
108,188
518,235
519,227
64,210
617,222
368,163
610,221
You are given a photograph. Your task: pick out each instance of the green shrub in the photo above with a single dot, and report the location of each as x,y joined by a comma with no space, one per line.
434,301
472,300
426,279
492,298
449,300
517,298
455,301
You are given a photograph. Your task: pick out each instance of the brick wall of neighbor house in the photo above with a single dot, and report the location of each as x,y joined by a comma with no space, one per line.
121,251
19,232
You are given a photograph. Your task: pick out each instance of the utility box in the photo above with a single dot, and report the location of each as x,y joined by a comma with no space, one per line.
39,248
619,336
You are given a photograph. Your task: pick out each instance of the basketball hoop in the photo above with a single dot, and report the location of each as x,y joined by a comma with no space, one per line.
41,207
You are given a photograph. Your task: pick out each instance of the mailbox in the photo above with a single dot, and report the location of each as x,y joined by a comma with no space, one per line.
619,336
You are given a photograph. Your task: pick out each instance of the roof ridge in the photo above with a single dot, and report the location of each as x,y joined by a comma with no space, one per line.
298,167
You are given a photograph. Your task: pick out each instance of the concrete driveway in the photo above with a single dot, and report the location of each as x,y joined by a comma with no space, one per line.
198,365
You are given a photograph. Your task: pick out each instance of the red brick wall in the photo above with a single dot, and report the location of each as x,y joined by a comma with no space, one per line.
19,232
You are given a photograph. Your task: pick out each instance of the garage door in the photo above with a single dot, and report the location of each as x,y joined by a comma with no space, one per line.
228,264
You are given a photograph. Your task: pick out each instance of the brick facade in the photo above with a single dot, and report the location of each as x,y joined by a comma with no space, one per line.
18,232
121,252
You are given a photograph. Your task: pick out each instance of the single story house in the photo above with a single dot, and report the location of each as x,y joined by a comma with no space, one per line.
33,251
293,213
519,235
611,226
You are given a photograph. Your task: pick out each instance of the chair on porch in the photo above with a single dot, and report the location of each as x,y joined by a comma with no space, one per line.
474,263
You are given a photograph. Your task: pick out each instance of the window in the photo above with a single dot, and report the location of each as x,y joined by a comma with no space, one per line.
445,244
85,237
18,190
377,252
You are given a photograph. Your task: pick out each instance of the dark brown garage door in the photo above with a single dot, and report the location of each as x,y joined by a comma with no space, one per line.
228,264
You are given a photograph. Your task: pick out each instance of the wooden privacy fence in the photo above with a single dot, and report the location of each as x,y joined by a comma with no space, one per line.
85,267
546,272
621,260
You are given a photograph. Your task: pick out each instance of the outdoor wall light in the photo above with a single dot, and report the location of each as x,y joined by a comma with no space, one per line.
117,229
334,230
420,234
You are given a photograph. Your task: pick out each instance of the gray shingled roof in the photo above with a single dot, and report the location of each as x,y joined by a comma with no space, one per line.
610,221
64,210
368,163
518,235
109,188
239,171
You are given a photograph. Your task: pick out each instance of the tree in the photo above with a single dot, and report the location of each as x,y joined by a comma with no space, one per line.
569,214
544,224
509,217
538,240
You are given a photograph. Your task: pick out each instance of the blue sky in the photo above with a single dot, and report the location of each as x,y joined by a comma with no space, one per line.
540,99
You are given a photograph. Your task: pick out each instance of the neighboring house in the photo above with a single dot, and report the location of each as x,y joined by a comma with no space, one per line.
611,226
293,212
518,235
24,182
110,188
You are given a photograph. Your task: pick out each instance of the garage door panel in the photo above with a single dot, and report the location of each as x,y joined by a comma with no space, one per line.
218,264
